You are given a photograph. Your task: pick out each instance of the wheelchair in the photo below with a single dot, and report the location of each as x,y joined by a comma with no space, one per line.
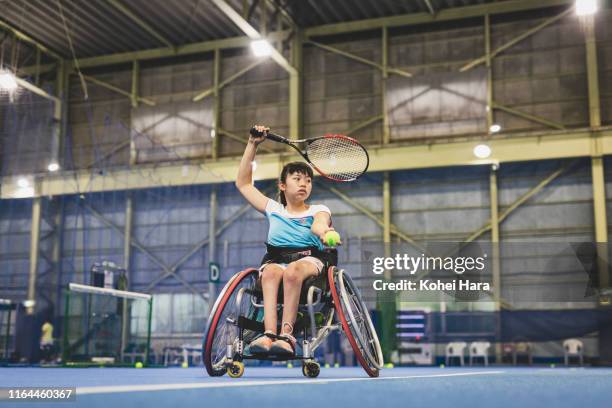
328,302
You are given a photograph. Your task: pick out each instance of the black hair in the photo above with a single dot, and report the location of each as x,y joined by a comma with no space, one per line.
291,168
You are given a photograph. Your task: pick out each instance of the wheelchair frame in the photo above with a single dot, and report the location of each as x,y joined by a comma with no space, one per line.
333,299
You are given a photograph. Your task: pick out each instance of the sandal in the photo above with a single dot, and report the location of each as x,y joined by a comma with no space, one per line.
263,343
285,343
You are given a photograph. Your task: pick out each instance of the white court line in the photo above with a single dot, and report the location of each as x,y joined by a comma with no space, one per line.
238,383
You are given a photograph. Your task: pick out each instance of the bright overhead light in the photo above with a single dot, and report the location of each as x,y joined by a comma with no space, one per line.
261,48
53,166
482,151
23,182
213,133
586,7
7,81
495,128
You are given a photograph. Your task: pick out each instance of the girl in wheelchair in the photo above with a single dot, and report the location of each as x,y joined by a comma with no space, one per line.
295,249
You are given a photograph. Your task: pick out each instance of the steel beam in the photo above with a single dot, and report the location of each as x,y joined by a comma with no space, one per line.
362,60
118,90
34,241
252,33
370,214
140,22
528,116
515,40
529,146
228,80
455,13
135,80
26,38
145,251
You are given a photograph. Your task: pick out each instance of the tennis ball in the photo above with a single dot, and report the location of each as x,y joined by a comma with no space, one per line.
442,366
138,364
185,364
336,365
289,365
552,366
332,238
326,365
389,365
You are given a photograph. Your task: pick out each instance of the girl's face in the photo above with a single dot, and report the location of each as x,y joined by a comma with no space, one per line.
297,187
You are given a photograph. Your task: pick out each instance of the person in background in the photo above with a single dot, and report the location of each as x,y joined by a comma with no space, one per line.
46,341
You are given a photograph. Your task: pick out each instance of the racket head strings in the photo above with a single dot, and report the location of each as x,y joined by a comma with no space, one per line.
338,157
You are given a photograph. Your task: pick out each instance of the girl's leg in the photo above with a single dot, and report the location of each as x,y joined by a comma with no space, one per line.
296,273
270,281
271,277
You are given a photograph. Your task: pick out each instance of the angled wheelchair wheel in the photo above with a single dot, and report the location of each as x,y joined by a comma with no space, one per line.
222,330
356,322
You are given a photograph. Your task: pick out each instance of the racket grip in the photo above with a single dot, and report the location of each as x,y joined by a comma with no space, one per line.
270,135
277,138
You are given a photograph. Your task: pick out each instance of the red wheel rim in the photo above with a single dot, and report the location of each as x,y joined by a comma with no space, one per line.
372,372
215,320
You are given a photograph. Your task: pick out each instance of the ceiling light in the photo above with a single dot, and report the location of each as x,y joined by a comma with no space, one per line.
7,81
586,7
482,151
261,48
495,128
23,182
53,166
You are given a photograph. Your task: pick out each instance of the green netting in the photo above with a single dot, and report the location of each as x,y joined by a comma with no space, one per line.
106,326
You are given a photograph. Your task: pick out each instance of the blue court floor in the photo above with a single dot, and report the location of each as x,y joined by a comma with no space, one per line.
335,387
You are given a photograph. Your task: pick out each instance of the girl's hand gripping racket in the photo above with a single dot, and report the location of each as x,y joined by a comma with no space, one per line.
335,157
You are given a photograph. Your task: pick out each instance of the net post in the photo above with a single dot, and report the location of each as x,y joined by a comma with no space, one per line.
66,322
149,331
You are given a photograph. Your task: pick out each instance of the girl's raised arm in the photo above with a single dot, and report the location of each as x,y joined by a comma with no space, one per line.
244,180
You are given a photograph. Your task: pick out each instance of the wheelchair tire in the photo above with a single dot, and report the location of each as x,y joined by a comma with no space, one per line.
356,322
219,329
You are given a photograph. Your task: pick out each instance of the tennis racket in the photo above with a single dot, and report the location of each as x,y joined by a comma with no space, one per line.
335,157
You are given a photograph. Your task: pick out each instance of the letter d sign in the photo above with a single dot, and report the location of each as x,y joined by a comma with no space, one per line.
214,272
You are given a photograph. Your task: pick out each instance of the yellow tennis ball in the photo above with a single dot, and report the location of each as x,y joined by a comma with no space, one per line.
389,365
332,238
138,364
185,365
289,365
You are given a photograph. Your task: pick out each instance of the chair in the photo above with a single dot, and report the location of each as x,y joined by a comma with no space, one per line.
479,349
455,349
522,348
573,347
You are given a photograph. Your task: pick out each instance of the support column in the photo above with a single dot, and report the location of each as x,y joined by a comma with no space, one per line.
597,163
127,256
386,306
495,259
34,241
489,108
212,240
296,87
216,105
385,75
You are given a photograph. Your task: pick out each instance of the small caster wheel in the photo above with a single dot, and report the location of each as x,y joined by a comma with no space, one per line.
236,369
311,369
